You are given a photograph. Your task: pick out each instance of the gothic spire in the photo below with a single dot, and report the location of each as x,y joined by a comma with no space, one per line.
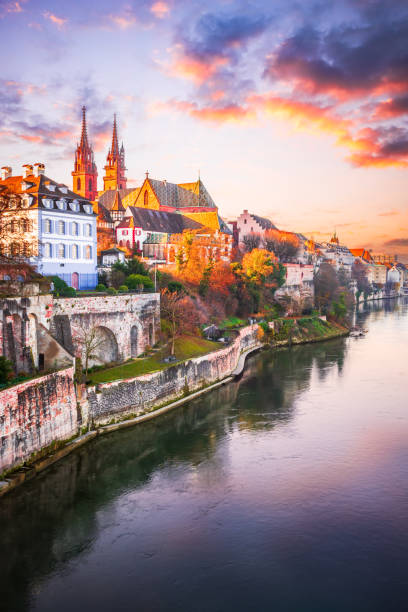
84,134
115,146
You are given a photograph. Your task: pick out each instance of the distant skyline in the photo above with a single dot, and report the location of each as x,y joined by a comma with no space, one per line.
297,111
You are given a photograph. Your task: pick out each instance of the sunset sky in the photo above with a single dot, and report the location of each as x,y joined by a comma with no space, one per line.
295,110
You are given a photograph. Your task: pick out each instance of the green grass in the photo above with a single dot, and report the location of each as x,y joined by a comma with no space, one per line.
186,348
231,322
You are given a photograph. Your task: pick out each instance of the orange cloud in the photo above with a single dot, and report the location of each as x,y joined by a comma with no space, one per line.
160,9
58,21
123,21
220,114
193,69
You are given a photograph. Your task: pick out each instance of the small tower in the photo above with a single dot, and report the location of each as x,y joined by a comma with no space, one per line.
115,164
118,210
85,174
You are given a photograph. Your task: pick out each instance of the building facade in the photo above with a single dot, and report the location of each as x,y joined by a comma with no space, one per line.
115,169
50,227
85,174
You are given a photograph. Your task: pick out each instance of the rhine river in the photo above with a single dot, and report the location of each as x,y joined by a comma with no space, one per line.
286,490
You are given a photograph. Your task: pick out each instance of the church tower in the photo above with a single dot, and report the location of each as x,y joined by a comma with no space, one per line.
85,174
115,164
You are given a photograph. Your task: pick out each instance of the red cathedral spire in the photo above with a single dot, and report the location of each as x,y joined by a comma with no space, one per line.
85,174
115,163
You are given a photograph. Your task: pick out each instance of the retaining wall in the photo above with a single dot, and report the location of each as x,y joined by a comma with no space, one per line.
34,414
138,395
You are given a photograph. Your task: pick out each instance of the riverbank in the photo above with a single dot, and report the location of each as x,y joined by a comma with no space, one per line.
171,388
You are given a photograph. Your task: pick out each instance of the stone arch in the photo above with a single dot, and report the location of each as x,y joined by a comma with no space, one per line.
107,349
133,341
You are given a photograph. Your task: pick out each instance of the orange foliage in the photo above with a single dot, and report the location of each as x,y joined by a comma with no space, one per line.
258,264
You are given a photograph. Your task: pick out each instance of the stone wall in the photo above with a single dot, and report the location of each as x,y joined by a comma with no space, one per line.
138,395
34,414
125,324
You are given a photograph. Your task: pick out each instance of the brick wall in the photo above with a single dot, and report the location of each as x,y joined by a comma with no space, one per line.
35,413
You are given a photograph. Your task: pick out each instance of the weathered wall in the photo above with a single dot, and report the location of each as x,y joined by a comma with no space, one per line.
138,395
126,323
35,413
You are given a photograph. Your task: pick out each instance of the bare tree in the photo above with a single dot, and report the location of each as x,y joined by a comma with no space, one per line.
251,242
285,245
89,339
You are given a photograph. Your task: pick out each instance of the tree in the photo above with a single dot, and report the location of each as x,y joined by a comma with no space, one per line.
131,266
257,265
61,289
137,281
171,305
89,339
359,273
6,369
326,286
251,241
285,245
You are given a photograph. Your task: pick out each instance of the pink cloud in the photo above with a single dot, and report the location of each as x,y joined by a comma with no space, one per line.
58,21
160,9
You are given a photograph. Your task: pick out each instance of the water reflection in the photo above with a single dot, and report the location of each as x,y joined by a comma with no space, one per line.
238,472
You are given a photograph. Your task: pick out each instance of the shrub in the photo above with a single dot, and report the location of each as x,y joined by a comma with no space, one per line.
135,281
100,287
124,288
112,291
61,289
175,286
6,369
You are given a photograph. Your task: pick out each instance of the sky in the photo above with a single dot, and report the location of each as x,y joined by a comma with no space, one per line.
296,110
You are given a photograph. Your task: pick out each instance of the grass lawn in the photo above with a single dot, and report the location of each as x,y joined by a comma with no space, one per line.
186,347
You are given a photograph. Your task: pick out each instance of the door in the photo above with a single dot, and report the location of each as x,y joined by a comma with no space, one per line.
75,280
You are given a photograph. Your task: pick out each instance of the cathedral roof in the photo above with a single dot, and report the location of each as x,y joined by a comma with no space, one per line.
159,221
107,199
117,203
181,195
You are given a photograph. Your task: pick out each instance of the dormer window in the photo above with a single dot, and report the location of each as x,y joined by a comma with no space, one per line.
51,187
61,204
88,209
63,189
47,202
74,205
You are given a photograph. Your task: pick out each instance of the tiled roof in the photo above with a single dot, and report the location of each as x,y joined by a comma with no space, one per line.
107,198
263,222
160,221
43,189
181,196
104,214
117,204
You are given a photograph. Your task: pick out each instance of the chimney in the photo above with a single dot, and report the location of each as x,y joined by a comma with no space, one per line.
6,172
39,169
28,170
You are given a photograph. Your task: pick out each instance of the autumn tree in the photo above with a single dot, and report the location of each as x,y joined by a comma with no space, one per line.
359,274
179,312
90,340
285,245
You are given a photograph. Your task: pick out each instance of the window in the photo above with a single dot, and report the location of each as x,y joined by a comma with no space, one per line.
26,250
47,226
61,251
88,229
88,252
20,278
15,248
61,227
13,226
47,250
74,205
74,251
78,184
90,185
245,221
146,198
24,225
75,229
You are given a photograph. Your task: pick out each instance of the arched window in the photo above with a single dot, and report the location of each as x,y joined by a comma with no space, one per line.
146,198
74,251
90,185
61,251
61,227
24,225
15,248
78,184
20,278
88,252
75,228
47,250
88,229
13,226
47,226
120,242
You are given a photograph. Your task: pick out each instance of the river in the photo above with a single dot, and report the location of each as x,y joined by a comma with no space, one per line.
286,490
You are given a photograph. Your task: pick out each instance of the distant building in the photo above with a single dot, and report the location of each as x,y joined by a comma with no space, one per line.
248,223
112,256
363,254
50,226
